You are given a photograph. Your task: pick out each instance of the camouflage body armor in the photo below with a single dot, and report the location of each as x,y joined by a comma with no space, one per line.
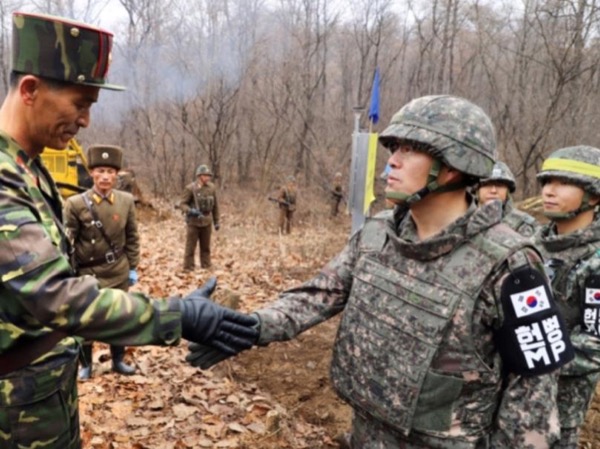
573,265
520,221
421,363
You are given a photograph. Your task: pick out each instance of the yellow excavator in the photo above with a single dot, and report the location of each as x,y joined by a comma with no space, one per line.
68,168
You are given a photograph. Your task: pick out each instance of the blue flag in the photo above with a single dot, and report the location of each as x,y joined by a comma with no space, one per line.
374,109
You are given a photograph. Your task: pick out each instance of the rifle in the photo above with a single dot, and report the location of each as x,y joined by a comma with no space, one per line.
275,200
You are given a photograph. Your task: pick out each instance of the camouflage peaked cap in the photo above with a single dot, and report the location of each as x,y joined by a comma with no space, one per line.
203,170
61,49
105,156
455,130
501,173
579,165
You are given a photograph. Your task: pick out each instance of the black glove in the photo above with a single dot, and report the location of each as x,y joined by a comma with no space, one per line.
203,321
217,226
204,356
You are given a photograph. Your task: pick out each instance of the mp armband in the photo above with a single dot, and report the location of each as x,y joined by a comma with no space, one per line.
533,338
591,306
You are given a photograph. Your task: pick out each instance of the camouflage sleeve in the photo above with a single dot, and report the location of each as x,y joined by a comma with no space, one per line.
71,221
311,303
132,237
587,346
527,416
37,278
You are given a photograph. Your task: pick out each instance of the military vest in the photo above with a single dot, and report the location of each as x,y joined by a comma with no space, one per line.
566,258
402,354
204,198
521,222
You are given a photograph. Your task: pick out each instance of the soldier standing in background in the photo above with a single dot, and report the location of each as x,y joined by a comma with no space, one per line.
58,68
102,226
201,208
287,198
337,194
436,347
499,186
570,243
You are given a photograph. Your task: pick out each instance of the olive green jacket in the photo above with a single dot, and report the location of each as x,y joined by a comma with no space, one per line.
117,214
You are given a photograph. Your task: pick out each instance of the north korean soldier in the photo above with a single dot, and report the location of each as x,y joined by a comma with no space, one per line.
337,194
499,185
450,335
58,68
287,199
102,225
570,242
201,208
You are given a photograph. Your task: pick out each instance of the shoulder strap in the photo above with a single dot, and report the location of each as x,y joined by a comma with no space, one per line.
98,223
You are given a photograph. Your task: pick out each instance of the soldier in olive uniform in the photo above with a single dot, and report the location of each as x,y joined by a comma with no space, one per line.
101,224
499,186
58,69
201,208
449,330
337,194
287,198
570,243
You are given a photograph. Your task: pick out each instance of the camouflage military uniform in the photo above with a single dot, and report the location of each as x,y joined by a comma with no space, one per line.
482,406
36,273
202,197
44,307
450,335
573,263
518,220
287,206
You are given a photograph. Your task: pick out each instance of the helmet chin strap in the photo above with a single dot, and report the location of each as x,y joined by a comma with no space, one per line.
431,187
584,207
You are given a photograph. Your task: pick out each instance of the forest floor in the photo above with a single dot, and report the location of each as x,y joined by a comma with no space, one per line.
275,397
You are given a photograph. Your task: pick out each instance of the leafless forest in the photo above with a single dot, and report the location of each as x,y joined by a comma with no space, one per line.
263,88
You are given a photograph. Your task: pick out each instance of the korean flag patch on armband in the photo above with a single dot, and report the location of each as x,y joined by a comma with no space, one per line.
591,306
533,338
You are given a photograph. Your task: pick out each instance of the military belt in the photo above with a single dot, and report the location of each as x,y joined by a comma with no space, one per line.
22,355
110,257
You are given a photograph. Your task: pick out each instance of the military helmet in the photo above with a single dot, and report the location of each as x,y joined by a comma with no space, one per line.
203,170
579,165
61,49
501,173
454,130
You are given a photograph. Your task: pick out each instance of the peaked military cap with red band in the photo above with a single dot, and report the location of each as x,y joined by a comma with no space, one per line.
61,49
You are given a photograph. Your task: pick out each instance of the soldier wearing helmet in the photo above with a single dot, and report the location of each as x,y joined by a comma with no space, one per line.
570,243
337,194
428,352
58,67
200,205
499,185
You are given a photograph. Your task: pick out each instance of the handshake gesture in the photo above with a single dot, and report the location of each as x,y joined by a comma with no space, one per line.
215,332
